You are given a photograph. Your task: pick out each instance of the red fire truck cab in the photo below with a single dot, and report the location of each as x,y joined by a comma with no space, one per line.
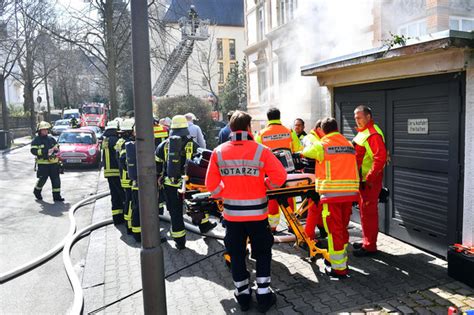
94,114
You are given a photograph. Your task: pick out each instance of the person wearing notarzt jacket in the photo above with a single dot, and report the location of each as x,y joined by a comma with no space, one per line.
236,173
111,170
371,159
337,183
171,156
45,148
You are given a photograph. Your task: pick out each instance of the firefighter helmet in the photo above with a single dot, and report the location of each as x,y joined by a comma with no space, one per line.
127,124
179,122
113,124
43,125
179,126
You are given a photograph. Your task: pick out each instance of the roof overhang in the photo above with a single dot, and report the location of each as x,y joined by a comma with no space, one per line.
435,53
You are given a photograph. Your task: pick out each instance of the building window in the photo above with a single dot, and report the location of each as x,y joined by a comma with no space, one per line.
286,10
260,23
414,29
232,66
220,51
220,89
282,71
204,81
262,85
461,24
232,49
221,72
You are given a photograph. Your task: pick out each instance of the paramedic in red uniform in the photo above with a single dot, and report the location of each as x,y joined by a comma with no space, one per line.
236,174
371,158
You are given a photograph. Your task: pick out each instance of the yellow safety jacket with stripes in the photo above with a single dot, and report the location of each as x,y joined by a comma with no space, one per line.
159,131
125,180
361,139
109,156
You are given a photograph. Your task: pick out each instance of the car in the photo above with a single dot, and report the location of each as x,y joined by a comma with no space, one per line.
59,126
79,147
70,113
98,132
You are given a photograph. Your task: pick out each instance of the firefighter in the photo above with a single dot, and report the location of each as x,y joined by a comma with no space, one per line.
74,123
171,156
111,170
277,136
126,128
314,217
236,173
45,148
371,158
160,132
131,160
337,183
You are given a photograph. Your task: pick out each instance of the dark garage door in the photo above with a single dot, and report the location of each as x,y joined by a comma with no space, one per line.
422,121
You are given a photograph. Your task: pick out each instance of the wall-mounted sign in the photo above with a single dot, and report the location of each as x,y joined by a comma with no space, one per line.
418,126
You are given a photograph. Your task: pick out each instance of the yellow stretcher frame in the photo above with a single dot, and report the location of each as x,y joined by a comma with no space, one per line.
302,188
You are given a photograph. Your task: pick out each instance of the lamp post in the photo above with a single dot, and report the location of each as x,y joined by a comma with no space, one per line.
151,254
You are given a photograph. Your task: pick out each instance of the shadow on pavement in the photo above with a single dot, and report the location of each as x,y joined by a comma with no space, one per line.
54,209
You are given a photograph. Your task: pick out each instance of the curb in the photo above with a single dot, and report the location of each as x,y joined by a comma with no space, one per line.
6,151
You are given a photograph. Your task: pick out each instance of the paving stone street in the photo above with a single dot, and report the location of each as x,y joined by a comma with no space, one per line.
400,279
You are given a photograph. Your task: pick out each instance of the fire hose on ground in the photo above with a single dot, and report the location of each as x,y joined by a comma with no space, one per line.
72,237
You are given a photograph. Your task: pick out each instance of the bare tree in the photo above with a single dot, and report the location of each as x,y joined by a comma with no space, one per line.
102,32
30,32
11,49
204,64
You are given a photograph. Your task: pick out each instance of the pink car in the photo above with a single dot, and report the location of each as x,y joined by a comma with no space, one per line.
79,147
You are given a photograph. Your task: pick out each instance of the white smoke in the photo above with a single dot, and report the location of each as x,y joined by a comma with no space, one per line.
321,30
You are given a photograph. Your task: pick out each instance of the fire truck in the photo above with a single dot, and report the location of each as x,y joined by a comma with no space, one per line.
94,114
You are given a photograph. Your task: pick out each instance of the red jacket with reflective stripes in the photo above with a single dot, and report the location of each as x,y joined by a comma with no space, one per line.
236,174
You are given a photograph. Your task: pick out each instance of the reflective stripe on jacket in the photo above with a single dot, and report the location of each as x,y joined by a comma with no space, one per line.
367,164
159,131
236,173
276,136
109,157
40,147
337,176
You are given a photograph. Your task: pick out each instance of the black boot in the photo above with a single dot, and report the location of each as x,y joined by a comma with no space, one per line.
180,242
137,237
118,219
37,194
206,227
57,197
244,300
266,301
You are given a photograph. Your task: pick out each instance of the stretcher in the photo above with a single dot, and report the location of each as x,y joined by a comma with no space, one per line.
197,200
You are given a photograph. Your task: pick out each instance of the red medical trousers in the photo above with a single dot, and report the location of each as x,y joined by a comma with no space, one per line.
313,219
369,215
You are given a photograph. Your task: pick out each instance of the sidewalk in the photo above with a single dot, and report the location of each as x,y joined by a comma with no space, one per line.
400,279
17,143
